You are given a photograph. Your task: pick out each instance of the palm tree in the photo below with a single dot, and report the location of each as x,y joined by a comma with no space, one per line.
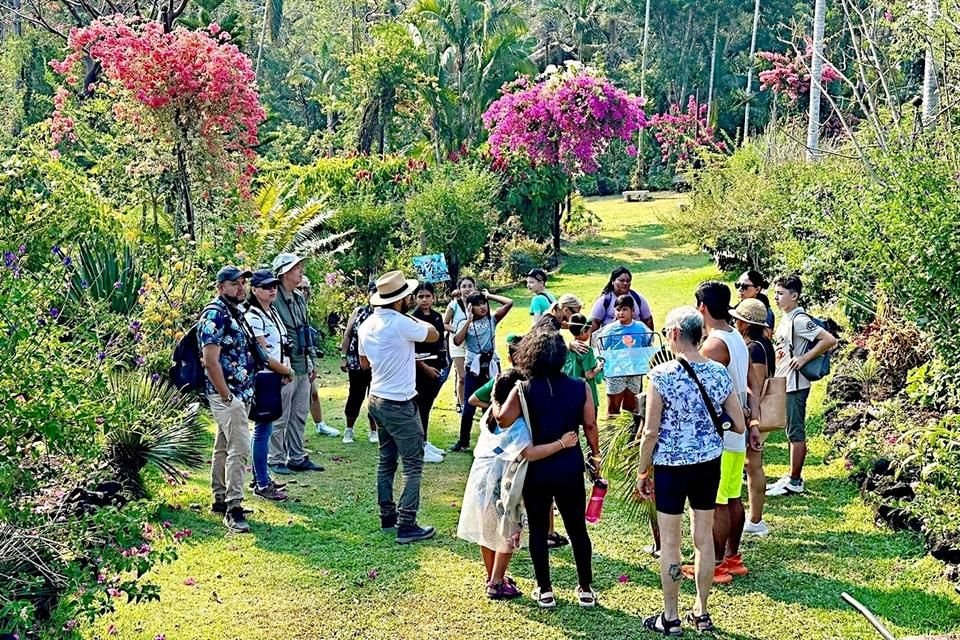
713,65
816,81
581,24
753,55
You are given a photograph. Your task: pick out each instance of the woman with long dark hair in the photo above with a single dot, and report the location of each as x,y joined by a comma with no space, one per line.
751,284
604,312
455,314
557,404
358,378
431,359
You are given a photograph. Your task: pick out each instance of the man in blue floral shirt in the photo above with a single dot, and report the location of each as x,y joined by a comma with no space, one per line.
230,369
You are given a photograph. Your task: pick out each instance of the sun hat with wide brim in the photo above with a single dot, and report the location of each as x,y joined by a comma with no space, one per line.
392,286
284,262
751,311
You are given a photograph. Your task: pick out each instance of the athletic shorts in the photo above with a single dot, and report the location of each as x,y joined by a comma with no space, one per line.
698,483
731,476
797,415
619,384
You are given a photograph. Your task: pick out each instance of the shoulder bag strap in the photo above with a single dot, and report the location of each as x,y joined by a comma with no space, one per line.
523,407
703,392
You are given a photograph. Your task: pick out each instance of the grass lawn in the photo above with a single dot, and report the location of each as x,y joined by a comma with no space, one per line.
319,567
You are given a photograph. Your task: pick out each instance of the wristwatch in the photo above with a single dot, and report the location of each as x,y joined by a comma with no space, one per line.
229,399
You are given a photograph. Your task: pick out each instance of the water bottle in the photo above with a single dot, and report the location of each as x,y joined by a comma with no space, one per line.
595,505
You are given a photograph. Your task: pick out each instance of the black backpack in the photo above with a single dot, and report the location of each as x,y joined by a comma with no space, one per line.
187,373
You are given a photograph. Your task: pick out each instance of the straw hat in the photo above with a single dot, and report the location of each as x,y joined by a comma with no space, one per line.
392,286
751,311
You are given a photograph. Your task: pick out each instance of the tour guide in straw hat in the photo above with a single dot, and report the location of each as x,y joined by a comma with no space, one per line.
387,348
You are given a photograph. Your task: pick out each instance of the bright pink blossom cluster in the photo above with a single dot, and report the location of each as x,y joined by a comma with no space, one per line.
567,120
173,87
790,75
681,134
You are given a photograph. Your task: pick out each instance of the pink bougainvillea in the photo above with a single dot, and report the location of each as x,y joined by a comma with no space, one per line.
790,75
566,120
683,134
190,88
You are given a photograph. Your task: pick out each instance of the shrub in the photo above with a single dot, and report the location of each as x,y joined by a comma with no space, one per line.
374,232
521,255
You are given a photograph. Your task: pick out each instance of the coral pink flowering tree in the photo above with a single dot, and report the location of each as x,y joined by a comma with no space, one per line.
683,135
565,121
191,92
790,75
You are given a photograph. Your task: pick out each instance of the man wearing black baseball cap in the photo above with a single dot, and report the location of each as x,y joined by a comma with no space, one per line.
230,370
542,299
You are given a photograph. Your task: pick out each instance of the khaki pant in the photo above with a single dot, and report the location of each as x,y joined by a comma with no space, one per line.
286,443
231,448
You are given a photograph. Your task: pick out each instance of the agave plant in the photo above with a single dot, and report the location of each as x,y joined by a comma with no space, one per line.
105,272
150,423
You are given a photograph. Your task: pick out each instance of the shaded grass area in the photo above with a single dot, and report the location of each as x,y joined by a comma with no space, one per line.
319,567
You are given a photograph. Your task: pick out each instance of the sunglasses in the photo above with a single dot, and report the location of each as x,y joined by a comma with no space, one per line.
267,286
665,332
745,285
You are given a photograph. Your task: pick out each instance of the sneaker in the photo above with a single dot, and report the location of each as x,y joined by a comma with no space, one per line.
373,438
756,528
779,483
430,456
504,591
271,492
734,565
236,521
306,465
434,448
348,435
324,429
720,573
280,469
789,487
388,523
460,447
407,533
219,508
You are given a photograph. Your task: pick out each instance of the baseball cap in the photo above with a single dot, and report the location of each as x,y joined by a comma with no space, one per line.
231,272
539,274
263,278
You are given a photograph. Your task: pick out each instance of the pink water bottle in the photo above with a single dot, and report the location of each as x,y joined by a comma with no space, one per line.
595,506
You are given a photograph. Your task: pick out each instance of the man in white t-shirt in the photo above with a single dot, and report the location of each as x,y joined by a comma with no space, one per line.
725,345
797,332
386,346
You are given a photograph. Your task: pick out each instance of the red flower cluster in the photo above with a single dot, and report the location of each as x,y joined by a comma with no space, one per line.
177,86
682,134
790,75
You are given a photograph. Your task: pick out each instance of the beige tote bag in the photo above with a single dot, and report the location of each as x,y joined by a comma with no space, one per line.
773,403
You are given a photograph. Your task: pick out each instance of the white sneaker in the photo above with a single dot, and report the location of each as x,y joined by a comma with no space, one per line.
429,446
784,489
779,483
327,430
756,528
348,436
430,456
373,437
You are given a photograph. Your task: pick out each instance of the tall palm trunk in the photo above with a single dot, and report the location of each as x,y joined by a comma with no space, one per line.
816,81
713,66
640,180
753,55
930,97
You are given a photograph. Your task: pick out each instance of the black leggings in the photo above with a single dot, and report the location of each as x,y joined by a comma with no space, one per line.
571,499
427,390
357,391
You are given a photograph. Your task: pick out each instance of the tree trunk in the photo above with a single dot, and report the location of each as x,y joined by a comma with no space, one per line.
816,81
263,35
557,212
713,65
753,56
183,177
930,97
640,180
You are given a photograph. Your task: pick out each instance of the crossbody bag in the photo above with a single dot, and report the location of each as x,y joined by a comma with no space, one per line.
721,421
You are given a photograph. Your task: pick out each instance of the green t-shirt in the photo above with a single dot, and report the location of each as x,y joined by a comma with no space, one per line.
541,303
577,365
485,393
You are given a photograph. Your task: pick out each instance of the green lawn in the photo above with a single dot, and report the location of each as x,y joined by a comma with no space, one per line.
318,566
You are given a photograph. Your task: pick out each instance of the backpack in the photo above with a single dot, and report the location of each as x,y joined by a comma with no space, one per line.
819,367
611,298
187,373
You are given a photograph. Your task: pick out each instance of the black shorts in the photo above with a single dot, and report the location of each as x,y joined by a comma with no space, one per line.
673,486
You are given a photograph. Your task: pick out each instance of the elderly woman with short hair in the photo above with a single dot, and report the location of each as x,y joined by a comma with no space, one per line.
682,445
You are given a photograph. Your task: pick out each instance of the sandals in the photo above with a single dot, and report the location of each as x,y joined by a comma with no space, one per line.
545,599
661,625
586,597
555,541
503,591
701,623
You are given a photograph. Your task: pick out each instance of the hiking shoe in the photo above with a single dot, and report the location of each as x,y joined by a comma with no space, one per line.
236,521
756,528
219,507
271,492
326,430
503,591
734,565
388,522
790,486
720,574
348,435
373,438
306,465
430,456
280,469
460,447
407,533
429,446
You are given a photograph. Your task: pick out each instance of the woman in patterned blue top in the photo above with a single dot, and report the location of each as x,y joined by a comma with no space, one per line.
681,444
